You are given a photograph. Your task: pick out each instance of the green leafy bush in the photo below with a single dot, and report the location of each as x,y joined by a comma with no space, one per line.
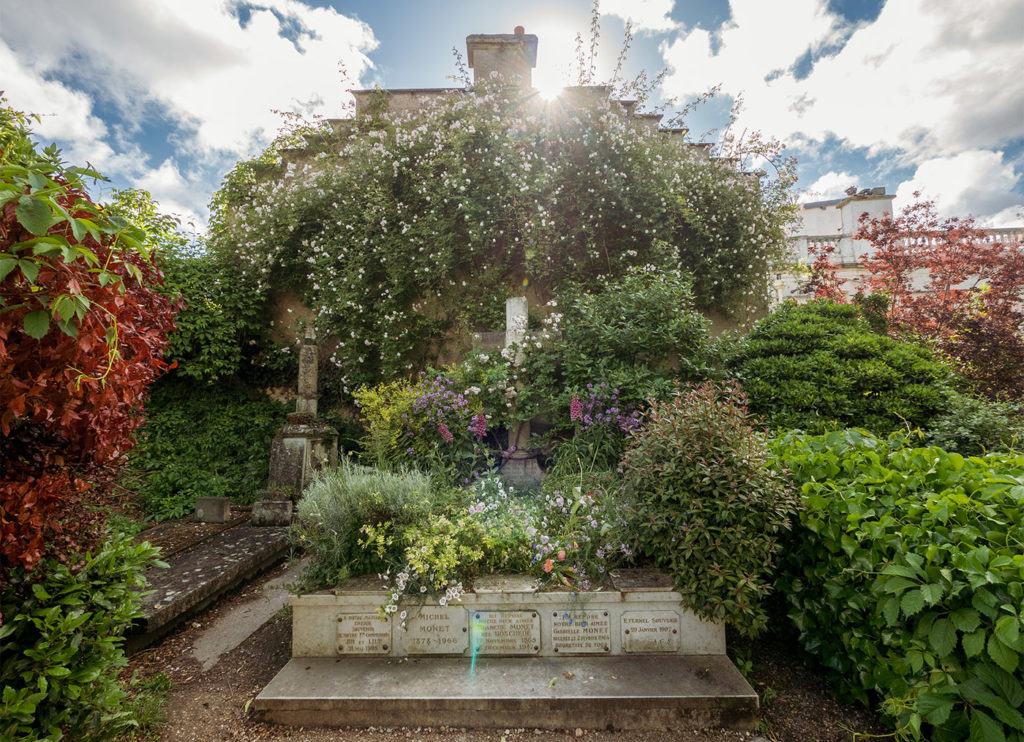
819,366
61,639
906,579
203,441
973,426
707,507
435,424
638,333
349,519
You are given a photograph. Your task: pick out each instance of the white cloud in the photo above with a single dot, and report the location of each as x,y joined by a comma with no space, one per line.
829,185
65,114
954,82
926,80
182,197
190,62
195,58
643,15
975,182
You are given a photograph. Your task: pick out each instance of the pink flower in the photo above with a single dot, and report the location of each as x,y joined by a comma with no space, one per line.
575,409
445,433
480,425
549,565
561,555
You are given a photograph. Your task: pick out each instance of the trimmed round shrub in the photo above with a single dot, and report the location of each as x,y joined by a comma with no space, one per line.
707,507
820,366
348,519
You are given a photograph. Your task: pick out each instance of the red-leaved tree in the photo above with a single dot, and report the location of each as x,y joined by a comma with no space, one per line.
949,282
824,281
82,332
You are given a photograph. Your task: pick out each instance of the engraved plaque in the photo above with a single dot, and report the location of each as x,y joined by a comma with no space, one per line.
650,632
363,633
504,632
436,630
581,632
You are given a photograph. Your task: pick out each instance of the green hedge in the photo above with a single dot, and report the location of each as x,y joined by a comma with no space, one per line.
907,579
61,645
203,440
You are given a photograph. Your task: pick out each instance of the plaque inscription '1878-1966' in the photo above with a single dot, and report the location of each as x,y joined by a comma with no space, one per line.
581,632
436,630
504,632
363,633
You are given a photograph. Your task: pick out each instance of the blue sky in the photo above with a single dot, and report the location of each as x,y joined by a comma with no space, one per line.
167,95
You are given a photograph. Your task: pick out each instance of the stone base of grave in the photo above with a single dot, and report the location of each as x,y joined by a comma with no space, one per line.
628,656
652,692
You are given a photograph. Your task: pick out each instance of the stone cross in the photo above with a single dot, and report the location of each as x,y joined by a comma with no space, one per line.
308,396
516,320
521,468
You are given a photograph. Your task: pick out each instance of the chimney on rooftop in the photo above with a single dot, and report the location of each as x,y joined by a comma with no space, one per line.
512,56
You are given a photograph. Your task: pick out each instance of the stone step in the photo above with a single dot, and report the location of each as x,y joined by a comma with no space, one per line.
197,577
624,692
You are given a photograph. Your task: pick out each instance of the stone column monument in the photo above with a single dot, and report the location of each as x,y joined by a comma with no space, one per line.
300,448
521,468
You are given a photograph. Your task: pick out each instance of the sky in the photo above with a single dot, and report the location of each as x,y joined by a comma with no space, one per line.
167,95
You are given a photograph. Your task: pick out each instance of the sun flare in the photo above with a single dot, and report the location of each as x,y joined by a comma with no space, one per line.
555,57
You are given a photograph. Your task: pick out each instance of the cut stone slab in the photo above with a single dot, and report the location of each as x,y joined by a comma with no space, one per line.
501,615
212,509
689,692
272,513
196,578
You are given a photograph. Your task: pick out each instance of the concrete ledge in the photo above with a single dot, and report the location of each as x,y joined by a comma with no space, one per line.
196,578
660,692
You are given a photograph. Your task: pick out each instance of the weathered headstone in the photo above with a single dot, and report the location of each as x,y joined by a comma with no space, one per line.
212,509
303,446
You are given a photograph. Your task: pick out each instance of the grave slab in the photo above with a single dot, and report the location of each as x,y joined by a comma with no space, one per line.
636,692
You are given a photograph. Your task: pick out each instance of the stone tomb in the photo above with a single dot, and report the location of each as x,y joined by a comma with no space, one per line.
628,657
638,614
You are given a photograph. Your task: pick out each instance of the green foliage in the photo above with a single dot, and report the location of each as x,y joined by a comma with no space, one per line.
819,366
427,425
637,333
706,506
61,639
54,218
973,426
906,579
203,441
507,517
581,530
410,228
337,506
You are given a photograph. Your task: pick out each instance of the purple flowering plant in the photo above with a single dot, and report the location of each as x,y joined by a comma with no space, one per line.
602,426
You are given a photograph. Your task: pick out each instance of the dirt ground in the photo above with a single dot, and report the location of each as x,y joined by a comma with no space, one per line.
797,706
